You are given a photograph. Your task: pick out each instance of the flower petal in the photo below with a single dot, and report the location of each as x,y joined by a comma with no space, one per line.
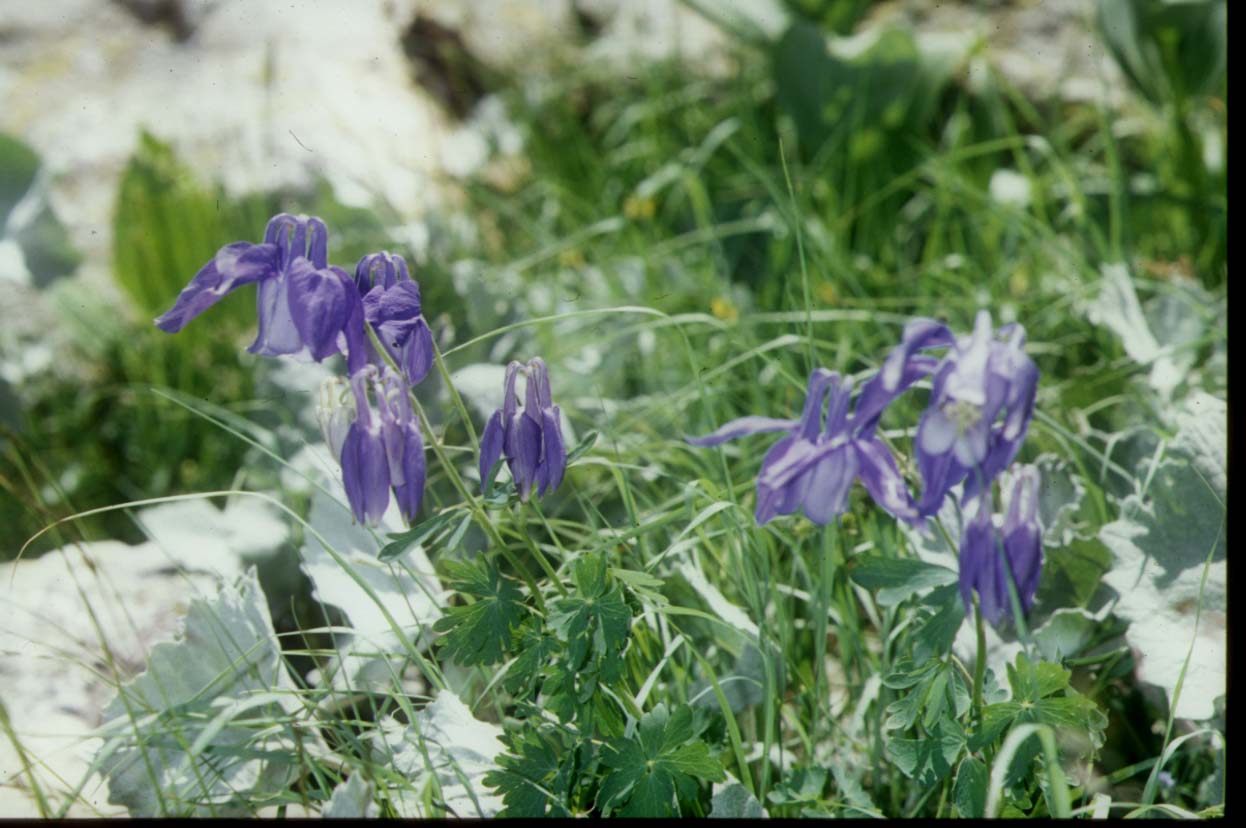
234,265
742,427
490,446
555,460
365,474
876,395
319,306
881,478
936,432
919,334
829,482
410,493
417,354
523,451
277,335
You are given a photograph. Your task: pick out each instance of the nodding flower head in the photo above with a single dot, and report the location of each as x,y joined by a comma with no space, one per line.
304,304
993,553
383,449
391,302
814,466
961,435
530,438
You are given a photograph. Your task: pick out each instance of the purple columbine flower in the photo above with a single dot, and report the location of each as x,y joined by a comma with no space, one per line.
530,438
391,302
305,306
382,449
960,435
814,466
404,447
991,554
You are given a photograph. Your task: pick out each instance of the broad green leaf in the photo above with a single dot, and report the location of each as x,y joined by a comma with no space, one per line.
930,759
1065,634
595,619
934,637
480,632
18,166
1040,694
897,579
534,778
535,647
970,790
661,757
422,534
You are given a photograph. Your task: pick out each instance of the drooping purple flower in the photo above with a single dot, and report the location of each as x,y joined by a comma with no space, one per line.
961,435
383,449
404,447
304,304
529,438
990,555
391,302
365,463
814,466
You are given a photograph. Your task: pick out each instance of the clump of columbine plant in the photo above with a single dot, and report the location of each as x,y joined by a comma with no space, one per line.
309,309
980,408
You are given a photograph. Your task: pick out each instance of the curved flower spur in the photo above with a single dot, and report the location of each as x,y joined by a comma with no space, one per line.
530,438
305,306
814,466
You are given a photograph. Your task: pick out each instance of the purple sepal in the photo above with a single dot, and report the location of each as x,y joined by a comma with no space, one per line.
410,493
365,474
320,306
490,447
234,265
742,427
554,461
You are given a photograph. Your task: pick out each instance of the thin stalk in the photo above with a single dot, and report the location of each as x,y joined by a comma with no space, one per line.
979,668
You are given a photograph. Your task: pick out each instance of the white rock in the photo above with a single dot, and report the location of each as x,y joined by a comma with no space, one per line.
54,676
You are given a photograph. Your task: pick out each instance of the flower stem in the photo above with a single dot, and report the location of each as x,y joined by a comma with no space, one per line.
979,669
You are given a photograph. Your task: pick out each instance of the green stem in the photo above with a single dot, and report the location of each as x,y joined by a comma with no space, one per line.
540,558
979,668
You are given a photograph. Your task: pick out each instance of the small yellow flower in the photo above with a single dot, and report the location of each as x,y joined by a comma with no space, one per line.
724,309
1019,282
826,293
571,258
636,207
